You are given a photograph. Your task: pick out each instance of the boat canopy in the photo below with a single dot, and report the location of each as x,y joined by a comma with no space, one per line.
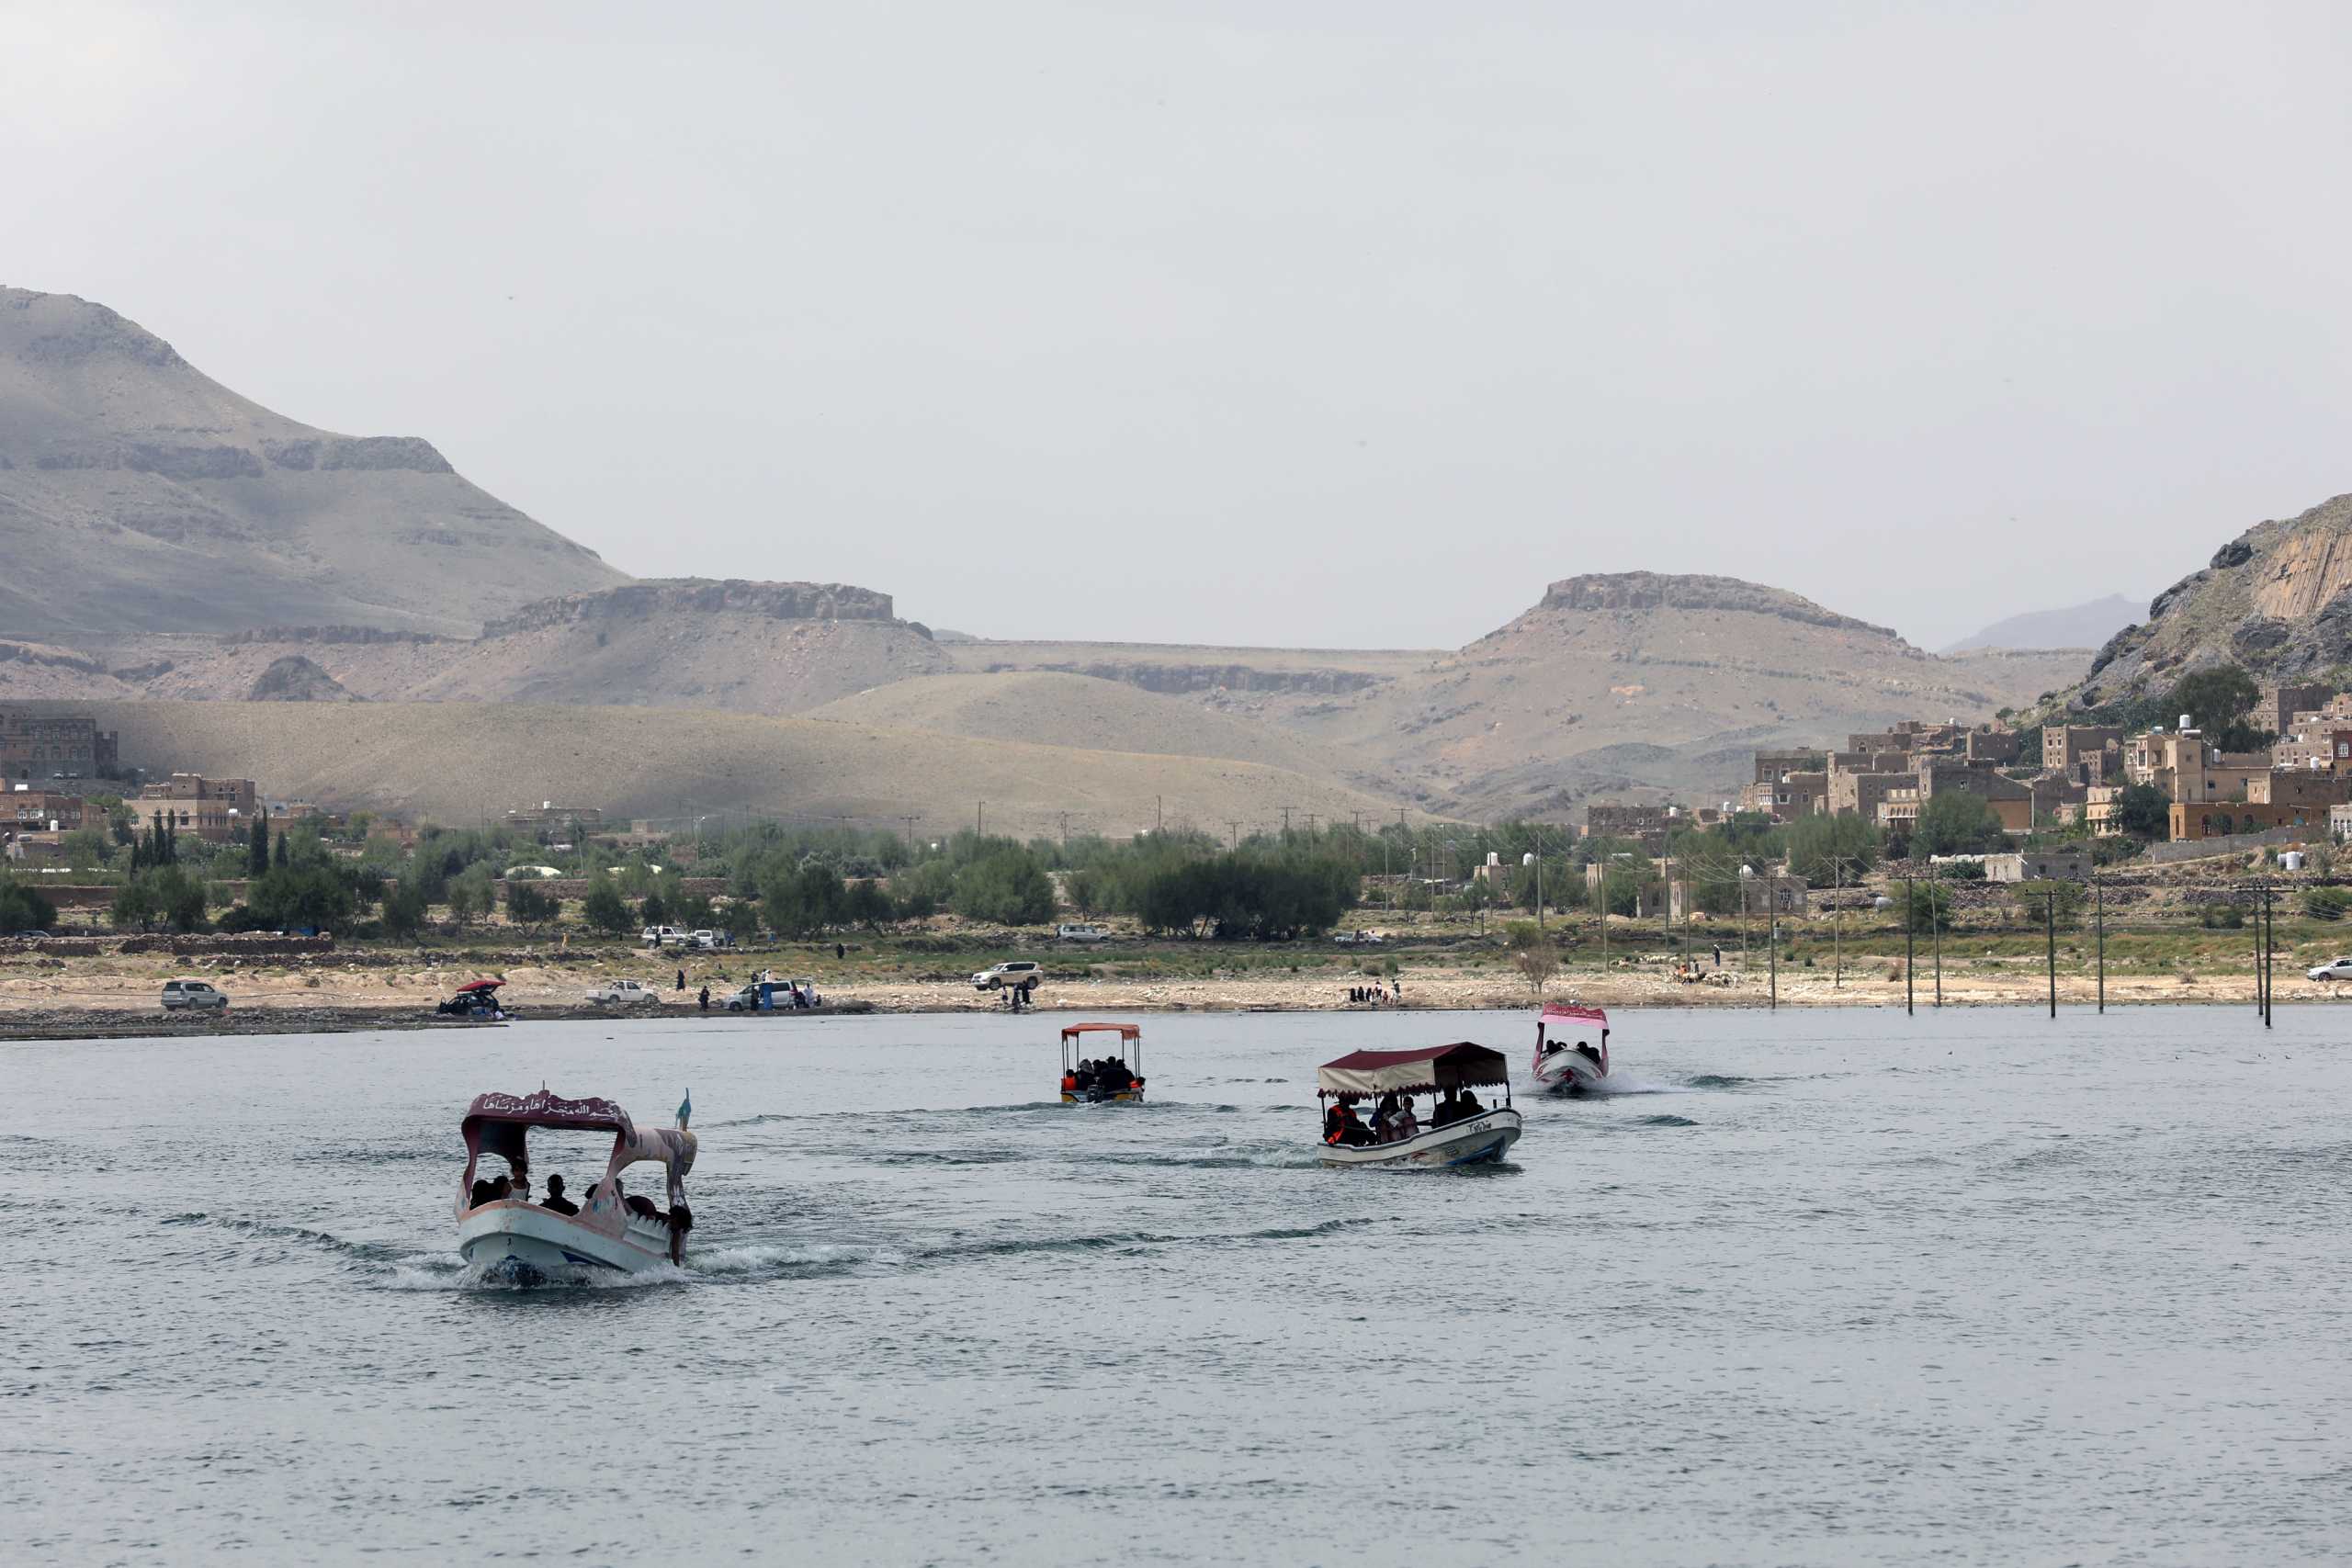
480,986
498,1125
1123,1031
1428,1070
1558,1015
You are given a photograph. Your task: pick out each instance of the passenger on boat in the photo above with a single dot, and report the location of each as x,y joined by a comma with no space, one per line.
1340,1125
641,1206
1447,1109
1469,1107
1382,1112
1586,1047
479,1194
1069,1080
555,1199
1083,1079
501,1190
1404,1124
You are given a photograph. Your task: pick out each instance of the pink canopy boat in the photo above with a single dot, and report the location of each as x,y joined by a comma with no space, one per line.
1455,1133
613,1230
1570,1068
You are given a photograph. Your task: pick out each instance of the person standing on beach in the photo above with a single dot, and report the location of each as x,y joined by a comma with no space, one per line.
704,1000
682,979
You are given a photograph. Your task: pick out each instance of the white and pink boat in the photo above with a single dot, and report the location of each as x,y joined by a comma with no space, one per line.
613,1230
1571,1069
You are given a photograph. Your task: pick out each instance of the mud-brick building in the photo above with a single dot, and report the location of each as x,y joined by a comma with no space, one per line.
54,749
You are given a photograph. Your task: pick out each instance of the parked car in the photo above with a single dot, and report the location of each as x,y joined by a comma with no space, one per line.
1080,933
710,940
193,995
747,1000
2333,969
664,936
615,992
1022,973
1358,938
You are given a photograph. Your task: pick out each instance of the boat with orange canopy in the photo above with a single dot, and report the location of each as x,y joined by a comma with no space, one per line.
1090,1082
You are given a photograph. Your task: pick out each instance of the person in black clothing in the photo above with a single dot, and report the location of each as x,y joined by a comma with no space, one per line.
1447,1109
1468,1106
1085,1079
705,999
682,979
556,1200
479,1193
840,952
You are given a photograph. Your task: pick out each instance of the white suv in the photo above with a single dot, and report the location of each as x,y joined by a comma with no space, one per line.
193,994
2333,969
1020,974
1081,933
666,936
620,991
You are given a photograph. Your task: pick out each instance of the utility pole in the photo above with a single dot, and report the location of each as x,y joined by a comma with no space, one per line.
2050,937
2269,952
1910,941
1156,803
1539,888
1775,946
1287,811
1936,924
980,820
1838,927
1310,824
2098,902
2259,1000
1065,832
1236,829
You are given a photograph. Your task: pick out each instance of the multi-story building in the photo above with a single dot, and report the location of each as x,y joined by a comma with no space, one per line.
2277,705
2312,741
2190,771
2219,818
2299,786
43,810
1646,825
2067,748
54,749
213,809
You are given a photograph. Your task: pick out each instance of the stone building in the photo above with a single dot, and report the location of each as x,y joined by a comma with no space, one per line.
54,749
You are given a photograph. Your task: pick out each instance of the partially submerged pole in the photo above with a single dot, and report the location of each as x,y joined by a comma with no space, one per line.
1910,941
2050,936
2099,899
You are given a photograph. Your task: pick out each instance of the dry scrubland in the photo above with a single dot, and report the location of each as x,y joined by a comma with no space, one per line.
452,762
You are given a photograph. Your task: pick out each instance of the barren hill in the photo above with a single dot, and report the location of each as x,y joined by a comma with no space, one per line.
155,499
2276,599
2083,625
1081,711
455,762
1634,684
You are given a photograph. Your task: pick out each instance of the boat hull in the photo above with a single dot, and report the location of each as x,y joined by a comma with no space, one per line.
1567,1072
520,1239
1482,1140
1129,1094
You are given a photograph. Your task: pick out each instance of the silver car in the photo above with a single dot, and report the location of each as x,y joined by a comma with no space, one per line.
193,995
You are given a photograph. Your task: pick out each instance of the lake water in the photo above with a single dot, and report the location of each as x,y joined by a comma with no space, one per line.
1832,1288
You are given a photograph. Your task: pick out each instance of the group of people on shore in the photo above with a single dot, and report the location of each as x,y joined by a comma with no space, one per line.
1394,1119
1374,996
1101,1078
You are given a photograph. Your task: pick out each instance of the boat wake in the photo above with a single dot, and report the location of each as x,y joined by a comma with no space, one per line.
1612,1087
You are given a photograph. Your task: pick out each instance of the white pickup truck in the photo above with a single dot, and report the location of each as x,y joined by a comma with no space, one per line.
621,993
666,936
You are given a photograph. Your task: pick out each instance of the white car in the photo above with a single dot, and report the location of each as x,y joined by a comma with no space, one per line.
1020,974
615,992
666,936
1358,938
192,994
1080,933
2333,969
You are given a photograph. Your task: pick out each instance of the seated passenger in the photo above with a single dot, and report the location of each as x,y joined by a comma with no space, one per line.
501,1190
1469,1107
556,1200
1069,1080
1352,1132
1589,1052
642,1207
1404,1123
479,1194
1447,1109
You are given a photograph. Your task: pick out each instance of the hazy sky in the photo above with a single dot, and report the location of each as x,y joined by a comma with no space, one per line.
1349,323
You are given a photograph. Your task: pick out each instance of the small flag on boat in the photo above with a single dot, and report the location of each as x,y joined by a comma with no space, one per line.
686,1108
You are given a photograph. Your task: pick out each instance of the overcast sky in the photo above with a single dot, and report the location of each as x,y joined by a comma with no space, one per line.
1345,324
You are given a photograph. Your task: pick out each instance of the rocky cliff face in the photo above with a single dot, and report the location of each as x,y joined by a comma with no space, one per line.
700,596
169,504
2277,600
1652,591
295,679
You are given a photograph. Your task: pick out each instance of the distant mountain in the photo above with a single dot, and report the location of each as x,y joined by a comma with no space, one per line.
138,495
2078,625
2276,599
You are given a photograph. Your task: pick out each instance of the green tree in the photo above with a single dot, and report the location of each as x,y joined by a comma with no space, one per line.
257,845
2216,701
1819,846
603,908
1926,905
1007,886
1532,954
1952,822
652,910
2066,900
472,893
311,896
87,848
24,908
528,904
168,894
2142,811
867,904
406,907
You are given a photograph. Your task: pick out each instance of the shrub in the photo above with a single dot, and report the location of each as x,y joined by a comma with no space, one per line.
2326,903
24,908
2223,916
